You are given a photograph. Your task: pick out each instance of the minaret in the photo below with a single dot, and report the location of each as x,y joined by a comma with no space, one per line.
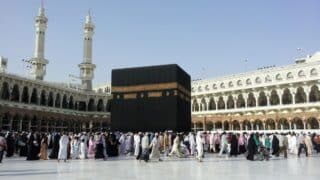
86,67
38,62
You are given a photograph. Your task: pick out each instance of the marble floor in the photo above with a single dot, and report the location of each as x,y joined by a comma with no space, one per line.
213,167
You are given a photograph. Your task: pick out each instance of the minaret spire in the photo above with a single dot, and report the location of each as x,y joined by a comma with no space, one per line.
38,62
86,67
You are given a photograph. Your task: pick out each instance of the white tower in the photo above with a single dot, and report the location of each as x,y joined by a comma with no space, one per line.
38,62
86,67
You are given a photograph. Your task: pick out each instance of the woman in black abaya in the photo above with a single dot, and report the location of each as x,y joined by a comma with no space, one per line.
252,148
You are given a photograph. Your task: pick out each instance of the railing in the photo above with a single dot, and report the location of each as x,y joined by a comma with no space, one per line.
259,108
53,109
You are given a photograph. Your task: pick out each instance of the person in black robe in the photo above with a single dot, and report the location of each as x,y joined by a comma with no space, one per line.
252,148
33,148
55,147
99,148
234,145
22,143
112,146
275,146
10,145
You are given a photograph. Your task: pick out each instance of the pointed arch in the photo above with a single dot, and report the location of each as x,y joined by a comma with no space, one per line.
257,125
5,93
241,102
236,125
100,105
246,125
43,98
313,123
91,105
203,105
300,96
34,96
226,126
287,96
71,103
218,125
274,98
50,99
195,106
221,104
251,100
314,95
25,95
15,93
64,102
58,101
270,124
212,104
262,100
297,123
230,102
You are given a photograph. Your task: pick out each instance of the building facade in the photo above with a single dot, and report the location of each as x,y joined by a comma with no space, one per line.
273,98
32,104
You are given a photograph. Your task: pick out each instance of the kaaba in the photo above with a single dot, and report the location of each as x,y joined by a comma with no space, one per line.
153,98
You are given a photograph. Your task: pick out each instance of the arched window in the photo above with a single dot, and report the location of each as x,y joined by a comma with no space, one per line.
221,104
50,99
5,93
34,96
251,100
274,98
286,97
314,95
25,95
100,105
300,96
241,102
43,98
262,99
230,102
15,94
58,101
91,105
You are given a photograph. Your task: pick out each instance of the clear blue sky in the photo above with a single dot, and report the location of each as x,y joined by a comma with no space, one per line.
208,38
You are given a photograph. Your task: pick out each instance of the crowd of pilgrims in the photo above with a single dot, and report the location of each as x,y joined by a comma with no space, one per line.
145,146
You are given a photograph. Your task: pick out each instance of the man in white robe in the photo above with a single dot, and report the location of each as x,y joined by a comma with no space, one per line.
63,148
155,145
200,143
83,146
145,148
223,145
122,146
136,144
192,144
176,147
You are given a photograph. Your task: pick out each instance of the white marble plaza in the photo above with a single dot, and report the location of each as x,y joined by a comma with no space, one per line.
127,168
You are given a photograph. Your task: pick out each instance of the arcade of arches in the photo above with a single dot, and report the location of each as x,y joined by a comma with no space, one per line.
258,123
31,107
260,98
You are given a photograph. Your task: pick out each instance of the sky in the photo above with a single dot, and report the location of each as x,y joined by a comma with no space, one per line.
207,38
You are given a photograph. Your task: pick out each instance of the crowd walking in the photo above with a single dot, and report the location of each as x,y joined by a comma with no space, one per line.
154,146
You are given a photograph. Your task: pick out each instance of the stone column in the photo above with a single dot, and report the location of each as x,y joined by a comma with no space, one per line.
20,123
235,101
307,90
204,124
10,122
256,96
264,125
279,93
304,124
225,100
